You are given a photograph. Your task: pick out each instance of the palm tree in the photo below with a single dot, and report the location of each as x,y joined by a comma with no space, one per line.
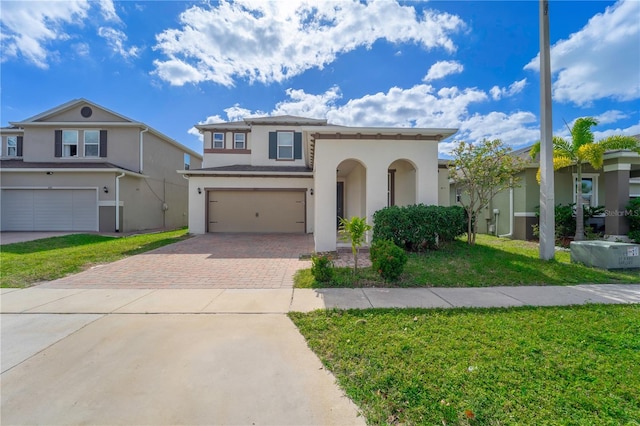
582,149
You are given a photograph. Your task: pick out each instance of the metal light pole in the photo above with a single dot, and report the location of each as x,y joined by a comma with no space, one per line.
547,197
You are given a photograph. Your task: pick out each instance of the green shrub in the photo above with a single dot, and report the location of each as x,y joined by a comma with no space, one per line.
387,259
322,267
633,217
565,216
419,227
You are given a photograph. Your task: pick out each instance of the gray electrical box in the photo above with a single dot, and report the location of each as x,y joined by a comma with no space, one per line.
606,254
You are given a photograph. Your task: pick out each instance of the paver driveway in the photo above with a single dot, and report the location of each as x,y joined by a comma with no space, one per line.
204,261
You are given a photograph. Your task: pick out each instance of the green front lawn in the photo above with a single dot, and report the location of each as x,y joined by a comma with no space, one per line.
491,262
23,264
553,366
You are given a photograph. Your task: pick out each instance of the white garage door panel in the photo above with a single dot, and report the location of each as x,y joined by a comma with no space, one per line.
17,210
52,210
257,211
49,210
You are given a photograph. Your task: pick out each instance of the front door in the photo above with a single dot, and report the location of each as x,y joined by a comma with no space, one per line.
339,203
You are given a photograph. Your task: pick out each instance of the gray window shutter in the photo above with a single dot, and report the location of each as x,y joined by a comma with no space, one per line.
19,149
58,146
297,146
273,145
103,143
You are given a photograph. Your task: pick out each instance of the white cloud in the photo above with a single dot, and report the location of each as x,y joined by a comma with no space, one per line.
632,130
28,27
417,106
116,39
442,69
611,116
602,60
272,41
515,88
108,11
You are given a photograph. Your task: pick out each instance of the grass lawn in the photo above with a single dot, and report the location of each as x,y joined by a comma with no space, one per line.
22,264
554,366
491,262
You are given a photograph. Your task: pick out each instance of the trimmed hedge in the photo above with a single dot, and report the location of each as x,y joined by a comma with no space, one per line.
419,227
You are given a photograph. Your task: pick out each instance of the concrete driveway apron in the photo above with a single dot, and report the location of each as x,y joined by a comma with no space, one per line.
225,261
217,349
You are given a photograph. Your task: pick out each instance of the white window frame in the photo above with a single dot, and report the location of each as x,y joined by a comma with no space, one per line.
69,145
217,144
237,144
13,139
283,145
87,144
594,187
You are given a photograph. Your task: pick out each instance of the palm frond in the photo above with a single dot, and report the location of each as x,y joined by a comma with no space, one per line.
535,150
592,153
562,147
581,131
620,142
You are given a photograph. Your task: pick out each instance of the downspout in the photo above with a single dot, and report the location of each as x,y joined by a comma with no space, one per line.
142,149
510,234
118,202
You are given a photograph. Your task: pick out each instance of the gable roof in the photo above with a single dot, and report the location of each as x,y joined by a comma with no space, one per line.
38,120
67,106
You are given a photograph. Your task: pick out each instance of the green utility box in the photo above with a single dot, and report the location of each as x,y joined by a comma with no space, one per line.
606,254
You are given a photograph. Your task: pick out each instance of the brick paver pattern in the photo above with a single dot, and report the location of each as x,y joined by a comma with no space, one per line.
226,261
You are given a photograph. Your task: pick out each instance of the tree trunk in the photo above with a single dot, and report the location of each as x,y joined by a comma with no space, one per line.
469,228
579,210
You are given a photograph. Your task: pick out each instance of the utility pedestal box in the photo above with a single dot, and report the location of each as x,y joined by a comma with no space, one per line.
606,254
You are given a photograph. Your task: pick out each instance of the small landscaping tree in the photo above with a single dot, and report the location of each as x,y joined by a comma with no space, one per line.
354,230
480,171
582,149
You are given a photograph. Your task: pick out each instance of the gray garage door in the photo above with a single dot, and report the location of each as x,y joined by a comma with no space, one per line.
49,210
256,211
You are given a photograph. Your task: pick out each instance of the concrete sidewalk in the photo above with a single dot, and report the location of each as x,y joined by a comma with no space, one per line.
279,301
201,356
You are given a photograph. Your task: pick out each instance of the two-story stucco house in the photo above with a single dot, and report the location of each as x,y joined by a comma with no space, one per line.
299,175
67,169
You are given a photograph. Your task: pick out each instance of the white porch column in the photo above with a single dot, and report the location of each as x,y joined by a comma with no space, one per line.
427,178
376,189
324,194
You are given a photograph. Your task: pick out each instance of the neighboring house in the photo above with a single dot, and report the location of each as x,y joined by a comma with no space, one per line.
513,213
67,169
299,175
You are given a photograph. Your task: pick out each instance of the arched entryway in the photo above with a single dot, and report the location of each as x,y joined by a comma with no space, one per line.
351,189
401,183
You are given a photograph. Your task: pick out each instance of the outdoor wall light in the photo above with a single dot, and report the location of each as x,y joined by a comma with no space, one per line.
49,173
106,190
311,191
199,190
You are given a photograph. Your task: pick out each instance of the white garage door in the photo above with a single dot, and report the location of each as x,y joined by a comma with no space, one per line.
49,210
256,211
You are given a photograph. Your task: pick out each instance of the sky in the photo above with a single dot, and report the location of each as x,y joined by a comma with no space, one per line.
469,65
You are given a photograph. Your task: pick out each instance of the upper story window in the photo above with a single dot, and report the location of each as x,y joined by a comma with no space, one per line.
239,141
285,146
91,143
187,161
69,143
12,146
218,140
78,143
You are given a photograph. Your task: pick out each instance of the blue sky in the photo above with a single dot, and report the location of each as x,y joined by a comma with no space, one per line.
470,65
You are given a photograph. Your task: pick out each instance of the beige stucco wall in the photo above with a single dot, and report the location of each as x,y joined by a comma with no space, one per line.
197,206
405,182
257,140
376,156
